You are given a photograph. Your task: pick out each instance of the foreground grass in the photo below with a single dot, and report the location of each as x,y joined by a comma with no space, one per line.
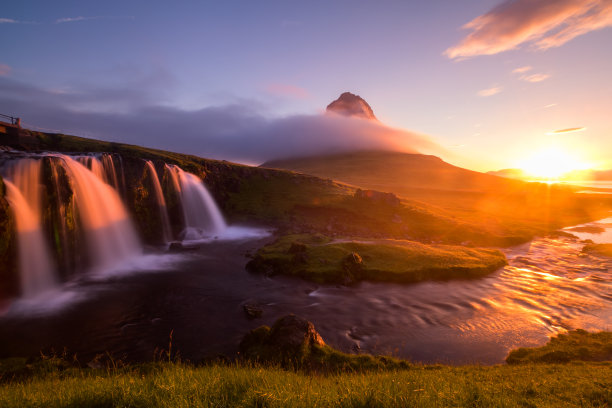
317,258
179,385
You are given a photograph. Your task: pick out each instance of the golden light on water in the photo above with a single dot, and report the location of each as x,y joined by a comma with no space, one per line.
551,163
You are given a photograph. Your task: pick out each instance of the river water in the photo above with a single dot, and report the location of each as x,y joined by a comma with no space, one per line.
198,297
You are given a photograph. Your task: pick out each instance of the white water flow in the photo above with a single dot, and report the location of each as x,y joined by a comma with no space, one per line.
111,173
94,165
161,202
202,216
109,232
36,270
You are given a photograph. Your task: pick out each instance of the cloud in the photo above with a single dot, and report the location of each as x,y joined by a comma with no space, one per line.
82,18
4,70
238,132
73,19
521,70
535,77
286,90
542,24
568,130
490,91
8,21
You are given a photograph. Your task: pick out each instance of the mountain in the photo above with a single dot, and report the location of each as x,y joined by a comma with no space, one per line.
516,174
491,204
349,104
396,172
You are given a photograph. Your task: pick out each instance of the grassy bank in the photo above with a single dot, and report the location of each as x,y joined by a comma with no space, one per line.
598,249
359,381
317,258
178,385
576,345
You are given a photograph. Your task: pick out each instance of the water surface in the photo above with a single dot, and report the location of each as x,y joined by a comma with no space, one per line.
198,296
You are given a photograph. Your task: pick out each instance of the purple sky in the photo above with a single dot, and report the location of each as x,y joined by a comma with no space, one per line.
490,82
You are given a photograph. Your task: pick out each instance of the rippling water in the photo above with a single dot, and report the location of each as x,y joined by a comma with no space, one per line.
548,286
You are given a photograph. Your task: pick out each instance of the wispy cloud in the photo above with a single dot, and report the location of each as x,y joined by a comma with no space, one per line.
541,23
73,19
82,18
287,90
8,21
535,77
490,91
4,70
521,70
568,130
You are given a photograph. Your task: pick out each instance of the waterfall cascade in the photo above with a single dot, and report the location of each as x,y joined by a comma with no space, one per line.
77,212
161,202
37,273
110,235
201,214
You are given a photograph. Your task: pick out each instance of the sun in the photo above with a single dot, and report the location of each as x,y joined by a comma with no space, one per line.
551,163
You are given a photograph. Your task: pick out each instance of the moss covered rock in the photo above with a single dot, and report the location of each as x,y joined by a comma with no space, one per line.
293,342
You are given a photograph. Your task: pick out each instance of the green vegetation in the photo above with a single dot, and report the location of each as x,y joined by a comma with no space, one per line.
598,249
181,385
317,375
317,258
486,202
577,345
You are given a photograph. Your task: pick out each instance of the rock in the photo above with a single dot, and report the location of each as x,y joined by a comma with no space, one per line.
349,104
289,341
178,246
352,266
293,332
296,248
252,310
389,199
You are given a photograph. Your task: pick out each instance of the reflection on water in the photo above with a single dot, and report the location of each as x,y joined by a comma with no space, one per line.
548,286
601,231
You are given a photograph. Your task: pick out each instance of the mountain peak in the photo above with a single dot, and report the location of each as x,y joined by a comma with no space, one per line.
349,104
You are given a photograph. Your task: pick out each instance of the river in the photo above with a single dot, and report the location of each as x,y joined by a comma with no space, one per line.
197,297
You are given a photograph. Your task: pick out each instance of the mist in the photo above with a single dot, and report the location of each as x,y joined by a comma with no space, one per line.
237,132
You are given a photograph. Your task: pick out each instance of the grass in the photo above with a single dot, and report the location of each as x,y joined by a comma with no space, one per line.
432,209
181,385
361,381
598,249
472,198
577,345
317,258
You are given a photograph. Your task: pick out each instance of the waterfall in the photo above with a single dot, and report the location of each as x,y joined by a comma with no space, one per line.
103,167
70,218
201,214
161,202
108,229
36,271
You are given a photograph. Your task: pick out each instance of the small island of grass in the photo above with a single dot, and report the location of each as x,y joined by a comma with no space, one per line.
598,249
319,259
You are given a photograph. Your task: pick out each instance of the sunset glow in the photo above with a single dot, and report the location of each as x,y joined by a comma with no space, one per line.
551,163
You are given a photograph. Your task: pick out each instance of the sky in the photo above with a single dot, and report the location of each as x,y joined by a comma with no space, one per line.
485,84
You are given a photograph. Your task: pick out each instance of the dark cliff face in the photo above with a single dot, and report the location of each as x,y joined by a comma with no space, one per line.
349,104
8,248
